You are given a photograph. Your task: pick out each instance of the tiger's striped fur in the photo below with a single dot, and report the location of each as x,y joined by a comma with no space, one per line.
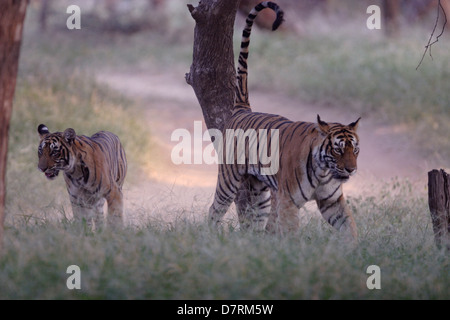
241,99
94,171
315,159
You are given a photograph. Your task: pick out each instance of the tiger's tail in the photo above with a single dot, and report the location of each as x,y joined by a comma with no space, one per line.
241,99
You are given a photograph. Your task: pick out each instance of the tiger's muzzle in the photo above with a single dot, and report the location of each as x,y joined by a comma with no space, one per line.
49,173
344,174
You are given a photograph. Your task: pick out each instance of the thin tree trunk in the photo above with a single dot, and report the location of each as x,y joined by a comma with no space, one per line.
43,14
12,15
391,9
212,74
439,203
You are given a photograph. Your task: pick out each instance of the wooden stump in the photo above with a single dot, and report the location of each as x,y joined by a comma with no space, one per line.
439,203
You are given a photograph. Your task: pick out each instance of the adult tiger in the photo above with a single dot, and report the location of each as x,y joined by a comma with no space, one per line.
94,170
315,159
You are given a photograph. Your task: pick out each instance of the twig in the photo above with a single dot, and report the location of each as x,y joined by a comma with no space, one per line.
430,44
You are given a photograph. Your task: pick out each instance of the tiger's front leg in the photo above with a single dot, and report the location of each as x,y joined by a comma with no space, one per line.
335,211
83,213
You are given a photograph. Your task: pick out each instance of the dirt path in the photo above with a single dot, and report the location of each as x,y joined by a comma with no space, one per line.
170,104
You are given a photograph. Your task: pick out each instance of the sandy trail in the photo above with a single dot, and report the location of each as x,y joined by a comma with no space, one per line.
170,104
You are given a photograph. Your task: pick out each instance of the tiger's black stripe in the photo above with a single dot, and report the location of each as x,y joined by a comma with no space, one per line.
242,72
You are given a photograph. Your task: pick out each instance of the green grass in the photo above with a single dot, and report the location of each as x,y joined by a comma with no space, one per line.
187,260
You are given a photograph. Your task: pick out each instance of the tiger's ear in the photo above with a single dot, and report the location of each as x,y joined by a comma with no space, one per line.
354,125
43,130
323,126
69,135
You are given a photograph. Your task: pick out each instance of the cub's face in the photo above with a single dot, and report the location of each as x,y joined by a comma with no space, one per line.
53,152
340,149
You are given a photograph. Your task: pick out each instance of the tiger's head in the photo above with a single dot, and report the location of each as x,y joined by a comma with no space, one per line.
54,151
339,151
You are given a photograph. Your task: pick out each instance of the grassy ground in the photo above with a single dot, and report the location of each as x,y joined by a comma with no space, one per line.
187,260
184,259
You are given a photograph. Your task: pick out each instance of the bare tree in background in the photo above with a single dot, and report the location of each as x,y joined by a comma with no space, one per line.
412,10
391,10
114,21
11,25
43,14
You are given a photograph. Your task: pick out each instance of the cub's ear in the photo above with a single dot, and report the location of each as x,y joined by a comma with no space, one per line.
354,125
69,135
43,130
323,126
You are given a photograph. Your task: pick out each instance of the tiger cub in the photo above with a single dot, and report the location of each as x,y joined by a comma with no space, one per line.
94,170
314,160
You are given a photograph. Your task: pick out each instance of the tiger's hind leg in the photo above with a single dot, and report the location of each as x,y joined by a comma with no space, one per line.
253,204
89,212
226,190
115,207
271,226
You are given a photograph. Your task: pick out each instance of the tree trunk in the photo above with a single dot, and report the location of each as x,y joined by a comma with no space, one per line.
11,25
212,74
391,9
439,203
43,14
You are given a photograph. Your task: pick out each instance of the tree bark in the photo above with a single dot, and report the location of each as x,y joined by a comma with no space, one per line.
11,25
391,10
43,14
212,74
439,203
